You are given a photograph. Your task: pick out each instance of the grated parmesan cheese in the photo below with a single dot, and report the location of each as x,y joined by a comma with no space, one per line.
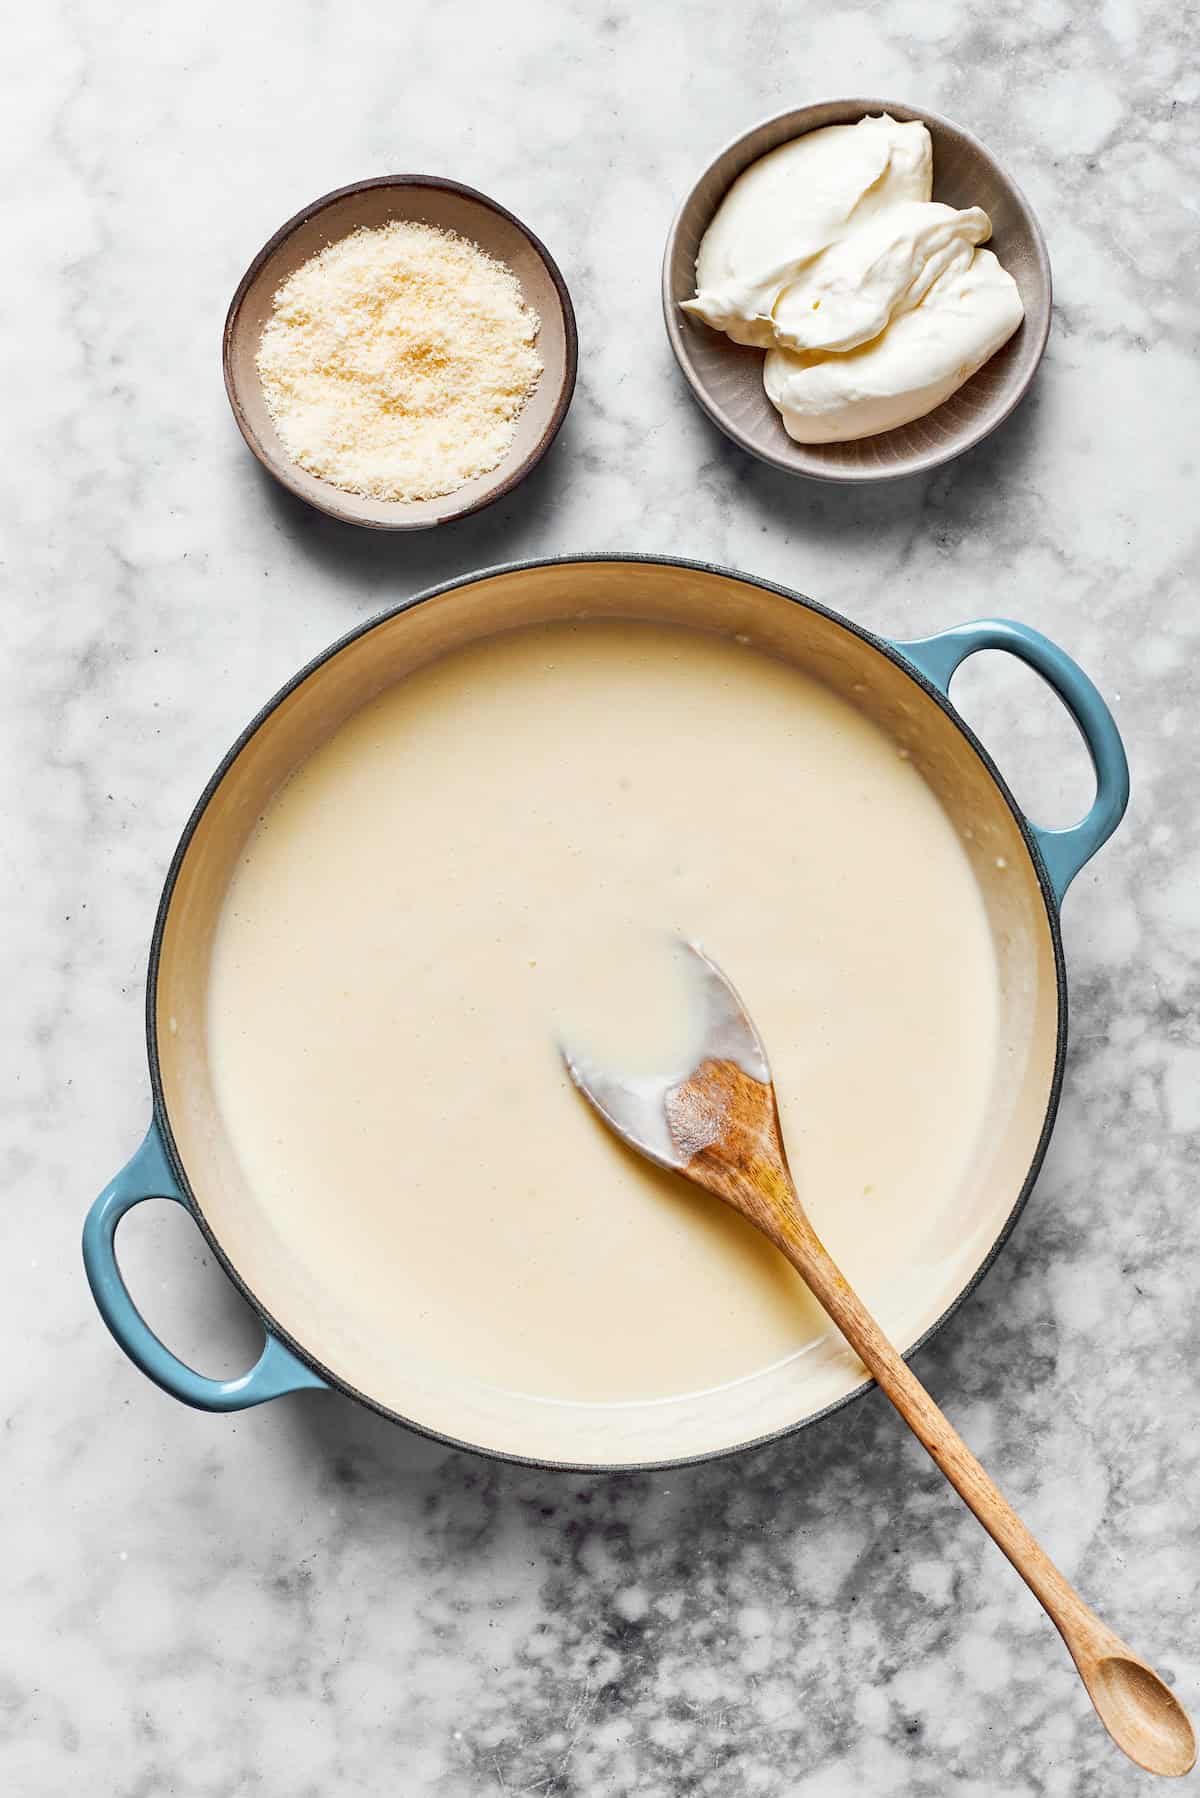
397,361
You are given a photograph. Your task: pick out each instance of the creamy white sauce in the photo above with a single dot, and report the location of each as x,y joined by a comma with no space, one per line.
484,860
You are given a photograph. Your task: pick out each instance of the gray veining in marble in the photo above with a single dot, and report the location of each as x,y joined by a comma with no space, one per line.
302,1601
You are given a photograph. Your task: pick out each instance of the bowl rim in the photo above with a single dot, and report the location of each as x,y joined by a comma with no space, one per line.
161,1114
848,475
282,470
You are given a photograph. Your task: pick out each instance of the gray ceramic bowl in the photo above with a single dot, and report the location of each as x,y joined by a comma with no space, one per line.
726,378
431,201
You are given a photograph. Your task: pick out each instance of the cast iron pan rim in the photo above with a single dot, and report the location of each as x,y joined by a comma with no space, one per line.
468,580
282,472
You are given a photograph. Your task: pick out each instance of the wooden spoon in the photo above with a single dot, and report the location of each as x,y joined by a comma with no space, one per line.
717,1123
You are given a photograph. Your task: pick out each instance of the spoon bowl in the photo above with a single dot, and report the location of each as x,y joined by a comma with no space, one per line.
1135,1705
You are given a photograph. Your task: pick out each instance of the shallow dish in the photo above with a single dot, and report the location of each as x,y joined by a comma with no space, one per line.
428,200
726,378
315,1337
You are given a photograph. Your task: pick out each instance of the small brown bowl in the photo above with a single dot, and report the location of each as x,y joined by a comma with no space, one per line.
428,200
726,378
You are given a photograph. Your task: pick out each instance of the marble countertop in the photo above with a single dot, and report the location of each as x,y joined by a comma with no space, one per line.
304,1600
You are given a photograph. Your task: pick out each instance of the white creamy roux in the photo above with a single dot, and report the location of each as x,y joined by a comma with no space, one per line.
486,858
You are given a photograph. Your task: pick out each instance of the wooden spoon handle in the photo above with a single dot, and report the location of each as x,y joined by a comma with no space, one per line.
1134,1704
937,1434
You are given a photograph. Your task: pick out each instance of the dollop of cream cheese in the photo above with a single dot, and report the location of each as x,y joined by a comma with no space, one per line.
873,301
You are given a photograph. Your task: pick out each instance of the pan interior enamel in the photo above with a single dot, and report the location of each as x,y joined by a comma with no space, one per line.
477,858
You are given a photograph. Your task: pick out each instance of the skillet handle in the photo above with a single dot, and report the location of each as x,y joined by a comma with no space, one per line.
1063,851
149,1176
